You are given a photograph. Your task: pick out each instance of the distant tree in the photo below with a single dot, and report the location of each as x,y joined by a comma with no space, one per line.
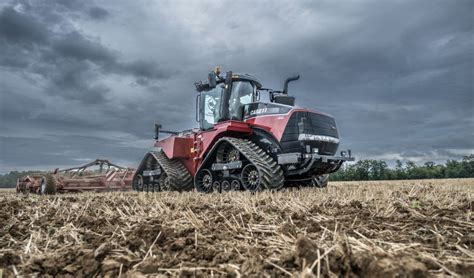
399,170
379,170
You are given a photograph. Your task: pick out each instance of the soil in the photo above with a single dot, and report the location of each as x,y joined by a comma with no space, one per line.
360,229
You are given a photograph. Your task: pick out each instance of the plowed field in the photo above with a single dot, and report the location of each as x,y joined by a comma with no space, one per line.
369,229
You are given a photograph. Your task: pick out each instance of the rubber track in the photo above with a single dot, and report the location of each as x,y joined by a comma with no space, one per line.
271,174
180,179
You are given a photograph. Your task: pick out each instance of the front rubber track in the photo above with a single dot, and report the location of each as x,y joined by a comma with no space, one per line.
271,174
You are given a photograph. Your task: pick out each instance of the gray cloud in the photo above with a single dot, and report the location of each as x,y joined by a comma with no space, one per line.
19,28
396,75
98,13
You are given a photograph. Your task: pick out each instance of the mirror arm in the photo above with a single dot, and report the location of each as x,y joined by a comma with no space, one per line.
198,101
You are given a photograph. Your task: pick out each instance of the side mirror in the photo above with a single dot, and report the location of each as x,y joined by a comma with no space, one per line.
271,95
157,131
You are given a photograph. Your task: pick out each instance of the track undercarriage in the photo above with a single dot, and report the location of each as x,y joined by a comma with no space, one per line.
233,164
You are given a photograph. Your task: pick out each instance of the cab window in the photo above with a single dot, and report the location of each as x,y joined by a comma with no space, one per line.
210,104
242,93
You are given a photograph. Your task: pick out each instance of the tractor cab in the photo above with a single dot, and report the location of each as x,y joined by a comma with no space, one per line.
236,98
224,100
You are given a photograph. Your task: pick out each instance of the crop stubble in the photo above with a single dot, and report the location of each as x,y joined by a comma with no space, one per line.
407,228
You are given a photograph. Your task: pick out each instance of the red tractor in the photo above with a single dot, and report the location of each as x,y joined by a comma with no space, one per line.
243,143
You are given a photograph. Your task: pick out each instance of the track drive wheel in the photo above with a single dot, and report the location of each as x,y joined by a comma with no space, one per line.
251,178
204,181
227,153
320,181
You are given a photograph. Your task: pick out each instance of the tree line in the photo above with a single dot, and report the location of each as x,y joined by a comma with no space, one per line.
370,169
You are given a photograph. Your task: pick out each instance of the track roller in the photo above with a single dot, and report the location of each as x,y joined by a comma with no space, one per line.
235,185
216,186
226,186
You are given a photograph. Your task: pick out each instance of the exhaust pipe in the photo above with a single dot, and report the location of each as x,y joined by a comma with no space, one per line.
288,80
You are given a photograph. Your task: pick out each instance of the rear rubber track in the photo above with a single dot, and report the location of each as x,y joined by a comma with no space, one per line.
178,175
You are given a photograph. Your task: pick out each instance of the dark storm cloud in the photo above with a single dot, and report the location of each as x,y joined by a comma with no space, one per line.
98,13
71,62
83,79
74,45
19,28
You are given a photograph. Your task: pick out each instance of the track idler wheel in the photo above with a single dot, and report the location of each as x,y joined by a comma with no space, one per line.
138,183
204,181
251,178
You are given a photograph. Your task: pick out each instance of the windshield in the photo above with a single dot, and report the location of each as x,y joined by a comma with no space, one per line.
210,104
242,93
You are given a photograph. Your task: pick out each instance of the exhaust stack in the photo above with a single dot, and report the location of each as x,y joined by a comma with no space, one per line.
288,80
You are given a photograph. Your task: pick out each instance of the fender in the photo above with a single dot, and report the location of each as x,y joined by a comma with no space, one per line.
265,140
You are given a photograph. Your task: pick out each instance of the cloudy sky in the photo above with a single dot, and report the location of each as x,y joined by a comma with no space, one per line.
86,79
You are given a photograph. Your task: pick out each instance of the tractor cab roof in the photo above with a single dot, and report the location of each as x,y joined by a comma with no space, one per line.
204,85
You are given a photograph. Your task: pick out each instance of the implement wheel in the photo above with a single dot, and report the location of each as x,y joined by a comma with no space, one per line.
50,184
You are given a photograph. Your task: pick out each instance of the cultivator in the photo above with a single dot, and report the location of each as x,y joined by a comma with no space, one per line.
108,177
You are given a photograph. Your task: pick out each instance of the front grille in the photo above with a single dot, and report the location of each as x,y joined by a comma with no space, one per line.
309,123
